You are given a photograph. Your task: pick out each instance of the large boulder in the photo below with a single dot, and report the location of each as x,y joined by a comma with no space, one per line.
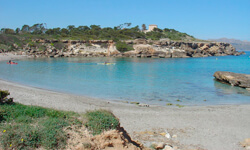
235,79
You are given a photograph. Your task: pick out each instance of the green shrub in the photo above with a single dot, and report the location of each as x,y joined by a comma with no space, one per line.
101,120
20,136
123,47
4,94
53,134
33,44
17,110
4,99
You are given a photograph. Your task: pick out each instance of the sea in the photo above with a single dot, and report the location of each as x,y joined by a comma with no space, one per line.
155,81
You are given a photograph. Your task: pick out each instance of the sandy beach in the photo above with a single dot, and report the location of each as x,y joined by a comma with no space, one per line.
11,56
200,127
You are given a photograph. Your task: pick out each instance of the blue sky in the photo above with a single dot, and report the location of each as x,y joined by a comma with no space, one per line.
201,18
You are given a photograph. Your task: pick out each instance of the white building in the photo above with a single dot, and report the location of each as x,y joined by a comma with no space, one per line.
151,27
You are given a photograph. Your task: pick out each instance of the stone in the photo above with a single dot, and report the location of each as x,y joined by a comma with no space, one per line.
168,55
15,46
245,143
55,56
197,55
235,79
163,48
168,135
143,105
178,54
163,134
160,145
162,55
167,147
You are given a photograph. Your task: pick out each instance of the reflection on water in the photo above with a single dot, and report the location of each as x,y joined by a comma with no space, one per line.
228,89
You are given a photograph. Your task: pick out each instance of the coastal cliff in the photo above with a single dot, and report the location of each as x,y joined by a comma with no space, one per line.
141,48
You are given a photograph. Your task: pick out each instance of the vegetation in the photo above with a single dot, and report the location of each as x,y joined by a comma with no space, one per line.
33,127
30,127
101,120
169,104
94,32
123,47
4,99
180,106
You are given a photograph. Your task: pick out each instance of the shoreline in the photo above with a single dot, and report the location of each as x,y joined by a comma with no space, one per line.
197,127
11,56
205,127
174,105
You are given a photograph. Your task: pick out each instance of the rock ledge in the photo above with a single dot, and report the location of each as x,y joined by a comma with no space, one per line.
235,79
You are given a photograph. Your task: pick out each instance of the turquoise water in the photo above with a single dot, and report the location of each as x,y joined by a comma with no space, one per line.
147,80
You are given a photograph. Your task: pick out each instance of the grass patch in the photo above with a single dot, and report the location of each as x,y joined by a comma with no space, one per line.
101,120
30,127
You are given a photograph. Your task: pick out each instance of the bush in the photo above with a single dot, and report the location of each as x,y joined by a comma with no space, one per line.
4,99
123,47
101,120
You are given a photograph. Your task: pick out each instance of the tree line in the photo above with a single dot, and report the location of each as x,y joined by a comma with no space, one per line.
95,32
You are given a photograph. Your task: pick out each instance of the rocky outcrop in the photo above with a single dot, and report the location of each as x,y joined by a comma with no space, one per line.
176,49
142,48
235,79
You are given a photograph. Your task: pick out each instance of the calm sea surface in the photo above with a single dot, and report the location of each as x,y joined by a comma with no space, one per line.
147,80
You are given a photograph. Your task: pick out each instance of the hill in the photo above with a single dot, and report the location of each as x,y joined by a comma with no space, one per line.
238,44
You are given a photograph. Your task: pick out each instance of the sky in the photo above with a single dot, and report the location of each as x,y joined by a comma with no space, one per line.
204,19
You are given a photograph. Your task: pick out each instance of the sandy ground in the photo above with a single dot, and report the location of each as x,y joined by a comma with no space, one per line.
11,56
205,127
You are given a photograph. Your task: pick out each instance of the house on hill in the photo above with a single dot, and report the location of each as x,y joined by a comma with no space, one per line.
151,28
